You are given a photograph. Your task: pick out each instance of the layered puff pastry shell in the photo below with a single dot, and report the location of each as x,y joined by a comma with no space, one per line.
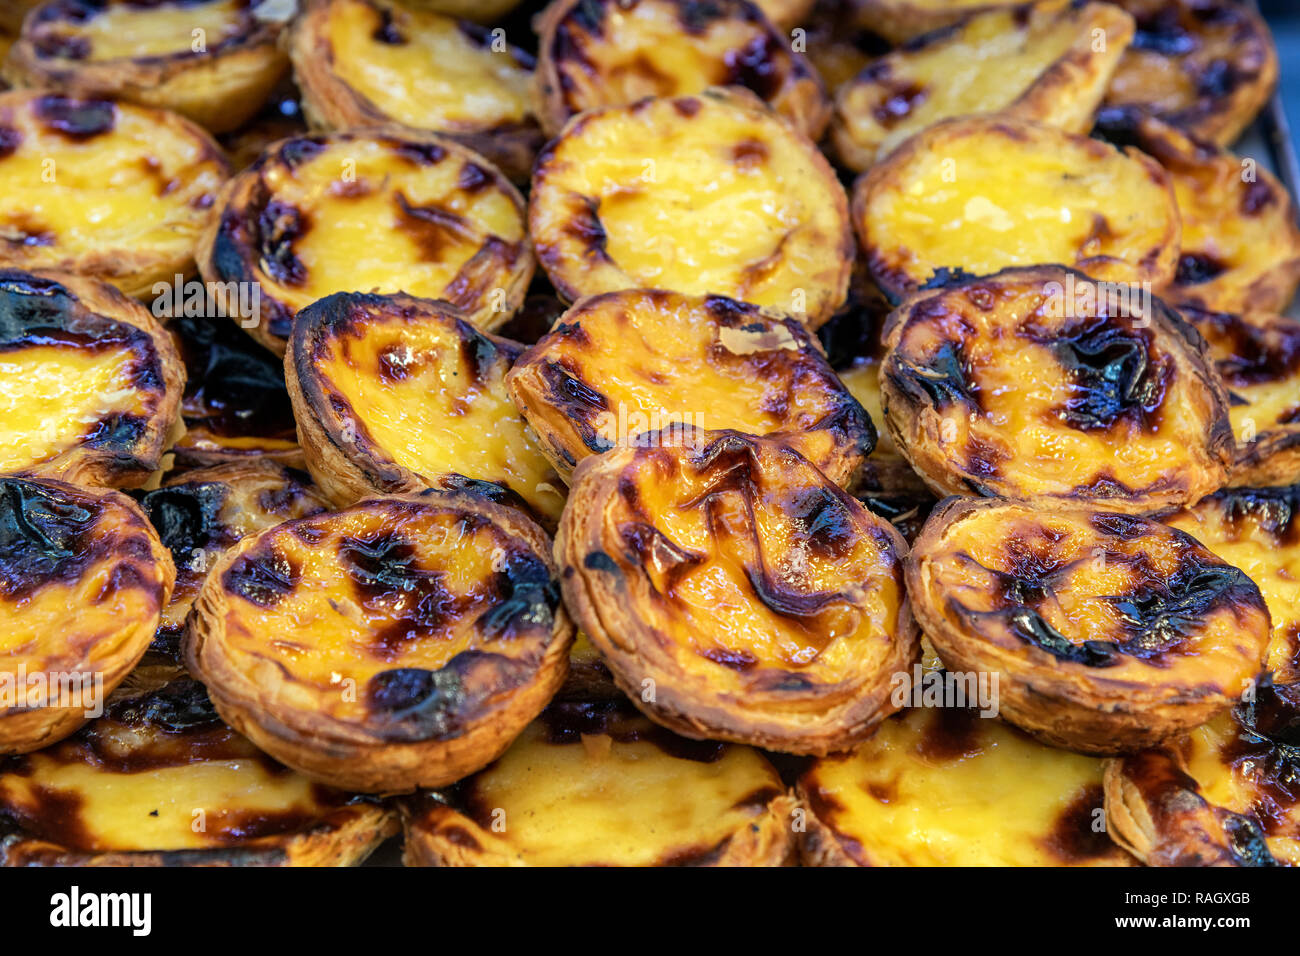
1224,795
976,194
1049,62
90,384
595,53
625,363
159,780
1207,66
597,784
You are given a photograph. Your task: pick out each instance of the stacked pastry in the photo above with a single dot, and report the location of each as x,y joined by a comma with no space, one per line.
525,429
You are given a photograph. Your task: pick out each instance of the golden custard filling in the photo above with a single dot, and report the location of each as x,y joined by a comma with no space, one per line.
1256,529
433,397
178,779
693,195
981,195
82,177
1240,771
1127,599
588,785
129,31
54,397
425,70
370,214
717,590
945,787
333,602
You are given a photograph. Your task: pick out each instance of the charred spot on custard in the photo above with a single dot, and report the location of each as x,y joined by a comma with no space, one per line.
74,119
420,703
263,576
942,379
36,310
279,226
1114,370
1075,837
46,538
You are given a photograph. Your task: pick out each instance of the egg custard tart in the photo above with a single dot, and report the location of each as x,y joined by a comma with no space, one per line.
595,53
1038,383
736,593
1258,360
943,786
214,61
1240,247
159,780
90,384
403,642
698,194
596,784
1044,63
83,580
375,62
200,514
112,191
1208,66
375,211
236,405
1108,632
1258,530
624,363
396,394
1224,795
901,20
977,194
